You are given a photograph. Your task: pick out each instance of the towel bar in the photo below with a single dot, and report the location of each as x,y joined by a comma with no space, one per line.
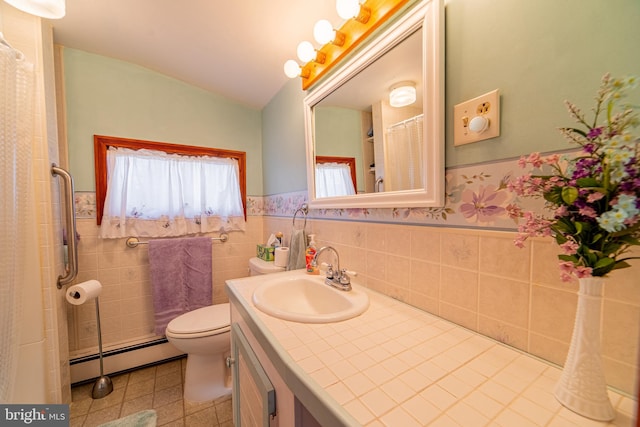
133,242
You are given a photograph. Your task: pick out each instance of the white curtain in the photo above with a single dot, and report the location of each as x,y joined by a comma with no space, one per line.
155,194
333,179
17,211
403,155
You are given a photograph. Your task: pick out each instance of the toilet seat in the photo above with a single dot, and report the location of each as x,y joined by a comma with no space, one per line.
211,320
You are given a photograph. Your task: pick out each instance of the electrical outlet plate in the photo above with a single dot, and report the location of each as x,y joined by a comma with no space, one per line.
488,106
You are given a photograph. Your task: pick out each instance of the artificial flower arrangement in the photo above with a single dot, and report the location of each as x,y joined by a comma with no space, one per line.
594,195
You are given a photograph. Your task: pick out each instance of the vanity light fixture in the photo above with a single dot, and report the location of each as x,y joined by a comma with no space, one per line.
353,9
402,94
306,52
362,20
50,9
292,69
324,33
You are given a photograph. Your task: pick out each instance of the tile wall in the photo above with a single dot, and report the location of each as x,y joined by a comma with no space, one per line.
126,307
478,279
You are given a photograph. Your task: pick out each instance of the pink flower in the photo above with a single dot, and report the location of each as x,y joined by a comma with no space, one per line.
535,160
514,211
569,247
588,211
594,197
562,211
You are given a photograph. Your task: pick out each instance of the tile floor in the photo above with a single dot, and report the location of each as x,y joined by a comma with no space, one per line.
156,387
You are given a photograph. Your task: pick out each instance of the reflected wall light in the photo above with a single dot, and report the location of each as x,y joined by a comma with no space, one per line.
50,9
336,44
402,94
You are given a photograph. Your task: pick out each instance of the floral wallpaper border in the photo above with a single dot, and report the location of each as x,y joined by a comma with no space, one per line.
476,197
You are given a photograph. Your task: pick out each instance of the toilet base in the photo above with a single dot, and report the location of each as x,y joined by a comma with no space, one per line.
206,378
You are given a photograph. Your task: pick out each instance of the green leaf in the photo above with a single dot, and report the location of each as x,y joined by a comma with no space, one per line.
587,182
604,263
569,258
569,195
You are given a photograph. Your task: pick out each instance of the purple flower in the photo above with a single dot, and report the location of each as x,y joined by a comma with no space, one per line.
484,205
594,133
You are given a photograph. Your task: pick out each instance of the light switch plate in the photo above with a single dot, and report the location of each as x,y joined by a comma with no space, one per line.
487,106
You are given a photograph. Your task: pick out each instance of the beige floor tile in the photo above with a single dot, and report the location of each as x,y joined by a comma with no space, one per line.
168,380
204,418
80,407
192,408
224,411
171,412
142,375
137,389
114,398
102,416
138,404
166,396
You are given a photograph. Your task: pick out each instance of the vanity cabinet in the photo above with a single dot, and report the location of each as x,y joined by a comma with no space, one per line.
261,396
254,397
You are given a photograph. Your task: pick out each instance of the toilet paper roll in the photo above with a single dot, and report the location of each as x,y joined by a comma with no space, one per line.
281,256
83,292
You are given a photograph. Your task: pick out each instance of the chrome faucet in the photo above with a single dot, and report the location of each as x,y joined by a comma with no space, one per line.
336,278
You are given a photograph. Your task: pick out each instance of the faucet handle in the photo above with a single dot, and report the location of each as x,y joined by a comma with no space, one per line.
344,277
329,273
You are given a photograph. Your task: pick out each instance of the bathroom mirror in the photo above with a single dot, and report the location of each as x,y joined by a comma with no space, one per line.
399,151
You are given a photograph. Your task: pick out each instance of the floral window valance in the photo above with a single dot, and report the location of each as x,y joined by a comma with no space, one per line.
154,194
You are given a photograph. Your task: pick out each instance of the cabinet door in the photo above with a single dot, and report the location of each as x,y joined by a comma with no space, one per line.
254,398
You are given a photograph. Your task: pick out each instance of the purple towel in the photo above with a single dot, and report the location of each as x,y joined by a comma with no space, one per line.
180,277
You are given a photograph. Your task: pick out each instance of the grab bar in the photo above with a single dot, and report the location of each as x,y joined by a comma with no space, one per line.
133,242
71,270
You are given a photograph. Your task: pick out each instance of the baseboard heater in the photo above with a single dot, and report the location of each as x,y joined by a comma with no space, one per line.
117,361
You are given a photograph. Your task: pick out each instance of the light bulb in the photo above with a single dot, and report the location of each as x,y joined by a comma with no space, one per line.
348,9
50,9
323,31
291,69
402,94
306,51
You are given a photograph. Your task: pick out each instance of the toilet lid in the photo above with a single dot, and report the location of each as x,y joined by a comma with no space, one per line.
203,319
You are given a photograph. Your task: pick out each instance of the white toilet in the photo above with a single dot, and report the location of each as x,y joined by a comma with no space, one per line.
204,334
258,267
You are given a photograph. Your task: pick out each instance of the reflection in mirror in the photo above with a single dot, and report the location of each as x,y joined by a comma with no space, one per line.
358,120
397,150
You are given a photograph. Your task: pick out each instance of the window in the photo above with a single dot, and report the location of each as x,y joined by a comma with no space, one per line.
335,176
160,190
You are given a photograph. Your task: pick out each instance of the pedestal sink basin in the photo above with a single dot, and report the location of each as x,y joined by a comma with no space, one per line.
308,299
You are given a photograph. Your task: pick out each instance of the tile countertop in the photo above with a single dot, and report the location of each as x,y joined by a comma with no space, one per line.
396,365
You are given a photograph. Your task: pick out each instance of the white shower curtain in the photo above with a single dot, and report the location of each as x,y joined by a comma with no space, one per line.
18,206
403,155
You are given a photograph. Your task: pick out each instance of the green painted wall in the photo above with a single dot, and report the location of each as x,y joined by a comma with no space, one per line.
115,98
283,147
341,135
538,53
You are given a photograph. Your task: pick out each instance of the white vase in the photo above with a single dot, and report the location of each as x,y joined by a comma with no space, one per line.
582,387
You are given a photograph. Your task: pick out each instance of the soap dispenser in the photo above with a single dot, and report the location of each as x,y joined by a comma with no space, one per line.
309,254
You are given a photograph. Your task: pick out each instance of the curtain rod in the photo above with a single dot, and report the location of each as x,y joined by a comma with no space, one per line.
404,122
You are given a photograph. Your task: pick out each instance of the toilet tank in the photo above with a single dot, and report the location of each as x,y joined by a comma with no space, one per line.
258,267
